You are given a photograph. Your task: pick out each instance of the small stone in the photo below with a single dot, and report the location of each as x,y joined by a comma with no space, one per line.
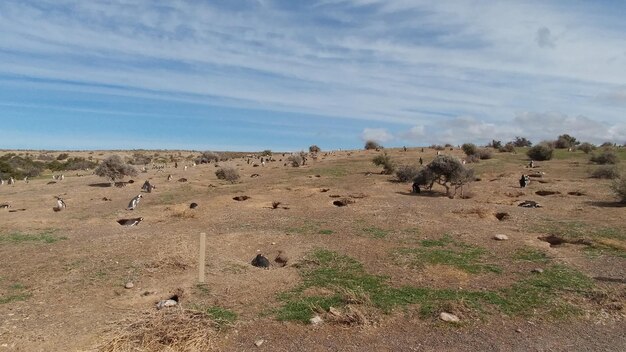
273,243
166,303
518,330
537,270
451,318
259,342
129,285
316,320
334,311
500,237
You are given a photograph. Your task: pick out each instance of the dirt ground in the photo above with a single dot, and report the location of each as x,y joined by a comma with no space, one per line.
62,282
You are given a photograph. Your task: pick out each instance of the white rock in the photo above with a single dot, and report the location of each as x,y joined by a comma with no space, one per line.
129,284
500,237
316,320
451,318
259,342
166,303
537,270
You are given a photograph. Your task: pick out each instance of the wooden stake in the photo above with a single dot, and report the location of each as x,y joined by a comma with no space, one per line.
201,258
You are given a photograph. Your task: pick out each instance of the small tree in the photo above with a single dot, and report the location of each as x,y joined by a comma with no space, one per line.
227,173
565,141
606,157
406,173
469,148
314,149
266,152
520,142
114,169
372,145
541,152
447,171
495,144
385,161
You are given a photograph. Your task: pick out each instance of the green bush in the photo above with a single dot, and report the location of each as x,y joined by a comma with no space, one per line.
586,147
469,148
541,152
227,173
484,153
447,171
314,149
372,145
385,161
114,169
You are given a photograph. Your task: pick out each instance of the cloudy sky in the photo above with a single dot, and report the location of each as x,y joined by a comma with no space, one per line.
285,74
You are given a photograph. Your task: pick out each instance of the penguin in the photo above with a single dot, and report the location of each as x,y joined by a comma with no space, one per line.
260,261
129,222
134,202
169,177
147,187
26,179
60,203
11,180
1,181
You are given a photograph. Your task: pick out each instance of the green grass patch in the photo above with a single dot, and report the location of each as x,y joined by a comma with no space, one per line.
374,232
15,293
446,251
46,236
221,316
344,280
335,171
307,228
325,232
531,255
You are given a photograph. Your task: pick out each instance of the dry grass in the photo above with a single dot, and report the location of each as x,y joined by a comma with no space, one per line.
166,330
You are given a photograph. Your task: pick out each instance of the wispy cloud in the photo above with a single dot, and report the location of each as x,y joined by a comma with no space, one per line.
448,66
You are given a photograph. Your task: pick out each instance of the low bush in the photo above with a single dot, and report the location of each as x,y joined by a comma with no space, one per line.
372,145
295,160
314,149
541,152
507,148
605,172
619,187
385,161
586,147
469,148
227,173
484,153
406,173
606,157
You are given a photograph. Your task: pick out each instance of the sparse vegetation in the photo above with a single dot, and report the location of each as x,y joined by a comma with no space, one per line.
46,236
520,142
227,173
507,148
385,161
207,157
113,168
314,149
469,149
295,160
619,187
541,152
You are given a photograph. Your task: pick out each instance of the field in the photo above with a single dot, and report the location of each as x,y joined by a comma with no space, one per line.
387,264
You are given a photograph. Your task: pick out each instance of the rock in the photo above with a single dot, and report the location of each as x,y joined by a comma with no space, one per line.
259,342
501,237
450,318
129,285
166,303
316,320
518,330
537,270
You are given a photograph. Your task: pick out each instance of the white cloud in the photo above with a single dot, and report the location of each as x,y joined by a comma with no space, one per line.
414,134
380,135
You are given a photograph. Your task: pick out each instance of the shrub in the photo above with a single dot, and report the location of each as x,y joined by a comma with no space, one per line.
266,152
314,149
295,160
565,141
507,148
437,147
372,145
484,153
448,145
63,156
521,142
619,187
606,157
447,171
541,152
607,145
207,157
227,173
385,161
140,159
586,147
606,172
495,144
114,169
474,158
406,173
469,148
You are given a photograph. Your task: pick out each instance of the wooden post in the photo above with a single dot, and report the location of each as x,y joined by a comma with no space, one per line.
201,258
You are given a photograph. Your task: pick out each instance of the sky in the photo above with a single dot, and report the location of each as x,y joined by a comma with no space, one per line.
285,74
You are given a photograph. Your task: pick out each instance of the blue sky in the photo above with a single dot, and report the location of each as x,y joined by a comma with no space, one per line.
285,74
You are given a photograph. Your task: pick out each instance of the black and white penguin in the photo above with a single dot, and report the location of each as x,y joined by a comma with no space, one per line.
134,202
129,222
260,261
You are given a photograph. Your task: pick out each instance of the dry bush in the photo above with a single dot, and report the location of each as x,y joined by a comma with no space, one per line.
207,157
165,330
605,172
227,173
469,149
484,153
114,168
606,157
474,158
586,147
507,148
385,161
619,187
406,173
372,145
295,160
437,147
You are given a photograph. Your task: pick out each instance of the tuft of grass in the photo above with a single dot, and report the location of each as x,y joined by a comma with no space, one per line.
375,232
16,292
334,172
446,251
325,232
21,237
344,278
531,255
221,316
